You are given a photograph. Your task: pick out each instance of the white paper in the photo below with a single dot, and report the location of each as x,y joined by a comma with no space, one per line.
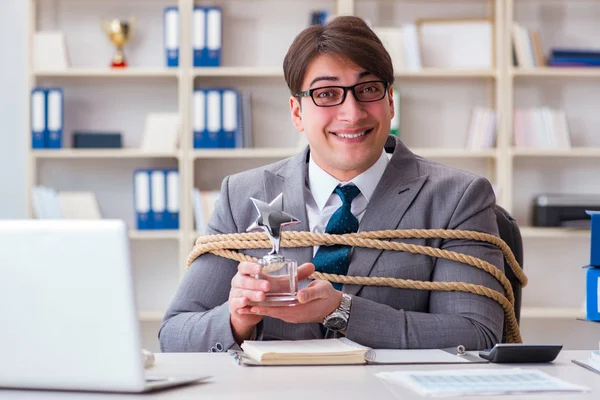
477,382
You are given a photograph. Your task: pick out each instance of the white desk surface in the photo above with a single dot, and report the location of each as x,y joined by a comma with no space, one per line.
230,381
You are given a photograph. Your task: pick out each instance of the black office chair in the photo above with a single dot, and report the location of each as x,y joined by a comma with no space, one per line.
510,233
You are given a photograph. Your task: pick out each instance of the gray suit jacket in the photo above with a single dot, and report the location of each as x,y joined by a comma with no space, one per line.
413,193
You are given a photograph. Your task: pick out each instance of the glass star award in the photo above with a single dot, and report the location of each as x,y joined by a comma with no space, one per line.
281,272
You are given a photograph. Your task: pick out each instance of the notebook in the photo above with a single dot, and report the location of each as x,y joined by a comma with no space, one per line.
341,351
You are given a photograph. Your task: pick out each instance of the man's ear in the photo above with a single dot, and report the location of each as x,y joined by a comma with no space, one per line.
296,113
391,100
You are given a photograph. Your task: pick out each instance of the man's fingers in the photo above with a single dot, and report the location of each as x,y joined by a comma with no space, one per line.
236,303
246,282
314,291
305,270
249,268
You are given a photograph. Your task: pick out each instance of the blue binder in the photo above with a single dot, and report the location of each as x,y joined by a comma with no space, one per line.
199,119
214,116
158,198
230,117
141,199
199,36
214,36
171,36
55,117
173,205
39,117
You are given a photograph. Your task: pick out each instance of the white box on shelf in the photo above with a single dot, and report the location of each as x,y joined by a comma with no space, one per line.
50,51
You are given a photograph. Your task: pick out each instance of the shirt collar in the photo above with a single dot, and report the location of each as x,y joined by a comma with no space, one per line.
321,184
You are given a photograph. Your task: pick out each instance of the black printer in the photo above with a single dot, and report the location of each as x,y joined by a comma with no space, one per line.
564,210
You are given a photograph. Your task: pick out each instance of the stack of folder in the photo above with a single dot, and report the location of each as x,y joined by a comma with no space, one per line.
46,118
156,198
221,118
207,36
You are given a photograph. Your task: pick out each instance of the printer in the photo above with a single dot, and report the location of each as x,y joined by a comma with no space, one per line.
564,210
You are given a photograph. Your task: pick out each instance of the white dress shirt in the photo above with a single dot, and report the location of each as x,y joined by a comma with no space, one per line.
323,201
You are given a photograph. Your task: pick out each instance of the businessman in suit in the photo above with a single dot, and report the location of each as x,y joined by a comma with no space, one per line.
340,79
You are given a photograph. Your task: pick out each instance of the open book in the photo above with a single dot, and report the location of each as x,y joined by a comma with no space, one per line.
341,351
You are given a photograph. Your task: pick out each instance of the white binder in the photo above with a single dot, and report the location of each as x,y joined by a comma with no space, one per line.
213,120
141,197
158,198
213,36
199,36
172,36
172,221
38,118
55,118
231,134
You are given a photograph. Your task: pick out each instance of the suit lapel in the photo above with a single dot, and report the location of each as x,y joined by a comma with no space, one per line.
394,194
290,180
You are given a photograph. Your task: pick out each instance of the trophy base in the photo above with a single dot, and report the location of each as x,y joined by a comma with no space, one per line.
121,64
277,301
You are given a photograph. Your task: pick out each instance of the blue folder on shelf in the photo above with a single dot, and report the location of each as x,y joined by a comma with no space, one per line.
158,198
55,118
213,37
171,36
172,189
141,199
38,118
199,36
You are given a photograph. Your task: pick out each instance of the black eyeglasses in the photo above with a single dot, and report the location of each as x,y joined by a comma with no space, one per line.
329,96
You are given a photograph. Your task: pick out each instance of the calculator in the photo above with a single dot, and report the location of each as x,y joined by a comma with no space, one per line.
521,353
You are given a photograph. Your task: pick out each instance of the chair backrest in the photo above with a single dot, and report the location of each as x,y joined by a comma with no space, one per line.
510,233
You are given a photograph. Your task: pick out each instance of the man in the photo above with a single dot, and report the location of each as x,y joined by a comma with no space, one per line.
340,78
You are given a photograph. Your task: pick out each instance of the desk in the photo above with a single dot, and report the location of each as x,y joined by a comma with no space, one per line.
230,381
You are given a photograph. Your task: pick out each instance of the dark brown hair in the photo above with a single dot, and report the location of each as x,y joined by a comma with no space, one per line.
346,36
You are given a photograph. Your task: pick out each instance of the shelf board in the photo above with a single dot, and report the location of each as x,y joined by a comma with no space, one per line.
264,152
436,152
132,72
552,312
239,72
556,72
558,233
154,234
150,316
99,153
574,152
445,73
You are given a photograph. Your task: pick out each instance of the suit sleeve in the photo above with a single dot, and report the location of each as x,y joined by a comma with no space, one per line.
454,317
198,317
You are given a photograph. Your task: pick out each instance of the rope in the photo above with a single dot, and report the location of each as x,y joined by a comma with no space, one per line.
222,245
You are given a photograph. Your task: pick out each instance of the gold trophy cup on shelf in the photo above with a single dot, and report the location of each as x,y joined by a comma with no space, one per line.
119,32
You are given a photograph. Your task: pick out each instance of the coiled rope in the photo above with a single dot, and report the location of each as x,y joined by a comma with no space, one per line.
224,246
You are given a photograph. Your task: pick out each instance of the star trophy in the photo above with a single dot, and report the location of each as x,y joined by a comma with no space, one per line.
119,32
281,272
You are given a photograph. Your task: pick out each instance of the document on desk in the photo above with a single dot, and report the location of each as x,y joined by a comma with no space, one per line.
421,356
469,382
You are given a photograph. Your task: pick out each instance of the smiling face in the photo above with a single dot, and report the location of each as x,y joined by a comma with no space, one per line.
347,139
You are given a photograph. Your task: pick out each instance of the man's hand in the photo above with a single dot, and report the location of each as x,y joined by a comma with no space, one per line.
316,301
245,288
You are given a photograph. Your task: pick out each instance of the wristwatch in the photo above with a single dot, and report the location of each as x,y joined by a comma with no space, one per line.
338,319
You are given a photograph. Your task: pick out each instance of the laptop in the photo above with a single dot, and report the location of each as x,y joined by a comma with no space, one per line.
67,307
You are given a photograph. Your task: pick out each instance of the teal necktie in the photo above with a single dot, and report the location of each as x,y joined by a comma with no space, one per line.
335,259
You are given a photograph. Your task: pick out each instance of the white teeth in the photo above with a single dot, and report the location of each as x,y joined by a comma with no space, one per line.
351,135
